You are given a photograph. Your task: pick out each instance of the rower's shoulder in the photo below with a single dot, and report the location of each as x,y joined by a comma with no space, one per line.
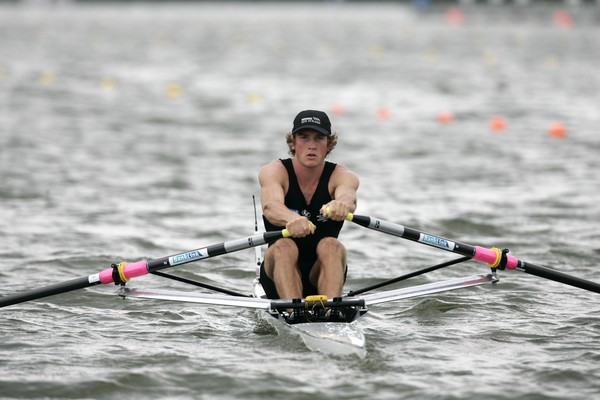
273,171
272,167
340,167
342,170
342,175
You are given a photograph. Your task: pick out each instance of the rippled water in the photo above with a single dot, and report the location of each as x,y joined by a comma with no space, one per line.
132,132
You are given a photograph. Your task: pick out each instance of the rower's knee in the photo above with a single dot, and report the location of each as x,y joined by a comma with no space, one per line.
284,248
330,246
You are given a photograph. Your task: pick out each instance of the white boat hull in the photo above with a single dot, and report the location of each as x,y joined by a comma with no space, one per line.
330,338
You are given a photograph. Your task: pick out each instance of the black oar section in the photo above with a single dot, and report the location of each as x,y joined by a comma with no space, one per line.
494,257
123,272
46,291
557,276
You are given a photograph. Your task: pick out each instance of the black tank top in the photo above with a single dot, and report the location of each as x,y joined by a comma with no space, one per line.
295,201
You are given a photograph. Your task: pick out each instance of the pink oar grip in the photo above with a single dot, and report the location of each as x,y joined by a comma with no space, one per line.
489,256
130,271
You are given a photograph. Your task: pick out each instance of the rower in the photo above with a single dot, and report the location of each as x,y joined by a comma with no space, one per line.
310,197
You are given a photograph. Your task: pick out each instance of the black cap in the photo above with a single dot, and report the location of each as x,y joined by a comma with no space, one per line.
312,119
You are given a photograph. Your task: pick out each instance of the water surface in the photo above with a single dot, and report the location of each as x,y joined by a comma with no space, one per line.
136,131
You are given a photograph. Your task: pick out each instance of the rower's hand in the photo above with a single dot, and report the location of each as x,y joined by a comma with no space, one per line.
335,210
300,227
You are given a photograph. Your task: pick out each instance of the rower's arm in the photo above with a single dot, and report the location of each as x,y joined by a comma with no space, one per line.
344,185
273,179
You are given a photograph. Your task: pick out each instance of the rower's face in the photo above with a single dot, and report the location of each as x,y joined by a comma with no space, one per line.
310,146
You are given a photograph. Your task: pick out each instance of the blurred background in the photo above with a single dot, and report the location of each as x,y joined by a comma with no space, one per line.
132,130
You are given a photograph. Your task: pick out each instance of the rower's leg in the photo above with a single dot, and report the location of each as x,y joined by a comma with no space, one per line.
281,265
330,269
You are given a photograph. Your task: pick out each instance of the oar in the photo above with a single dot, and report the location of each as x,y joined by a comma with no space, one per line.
494,257
123,272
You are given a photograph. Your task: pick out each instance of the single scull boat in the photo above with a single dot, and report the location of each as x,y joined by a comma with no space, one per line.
327,326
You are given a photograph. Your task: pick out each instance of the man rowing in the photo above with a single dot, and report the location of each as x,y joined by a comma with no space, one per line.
310,197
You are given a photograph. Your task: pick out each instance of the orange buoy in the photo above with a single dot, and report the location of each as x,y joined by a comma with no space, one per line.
563,19
384,113
454,16
557,130
338,109
445,117
497,124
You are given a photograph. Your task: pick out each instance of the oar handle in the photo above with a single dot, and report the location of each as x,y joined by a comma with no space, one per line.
349,216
